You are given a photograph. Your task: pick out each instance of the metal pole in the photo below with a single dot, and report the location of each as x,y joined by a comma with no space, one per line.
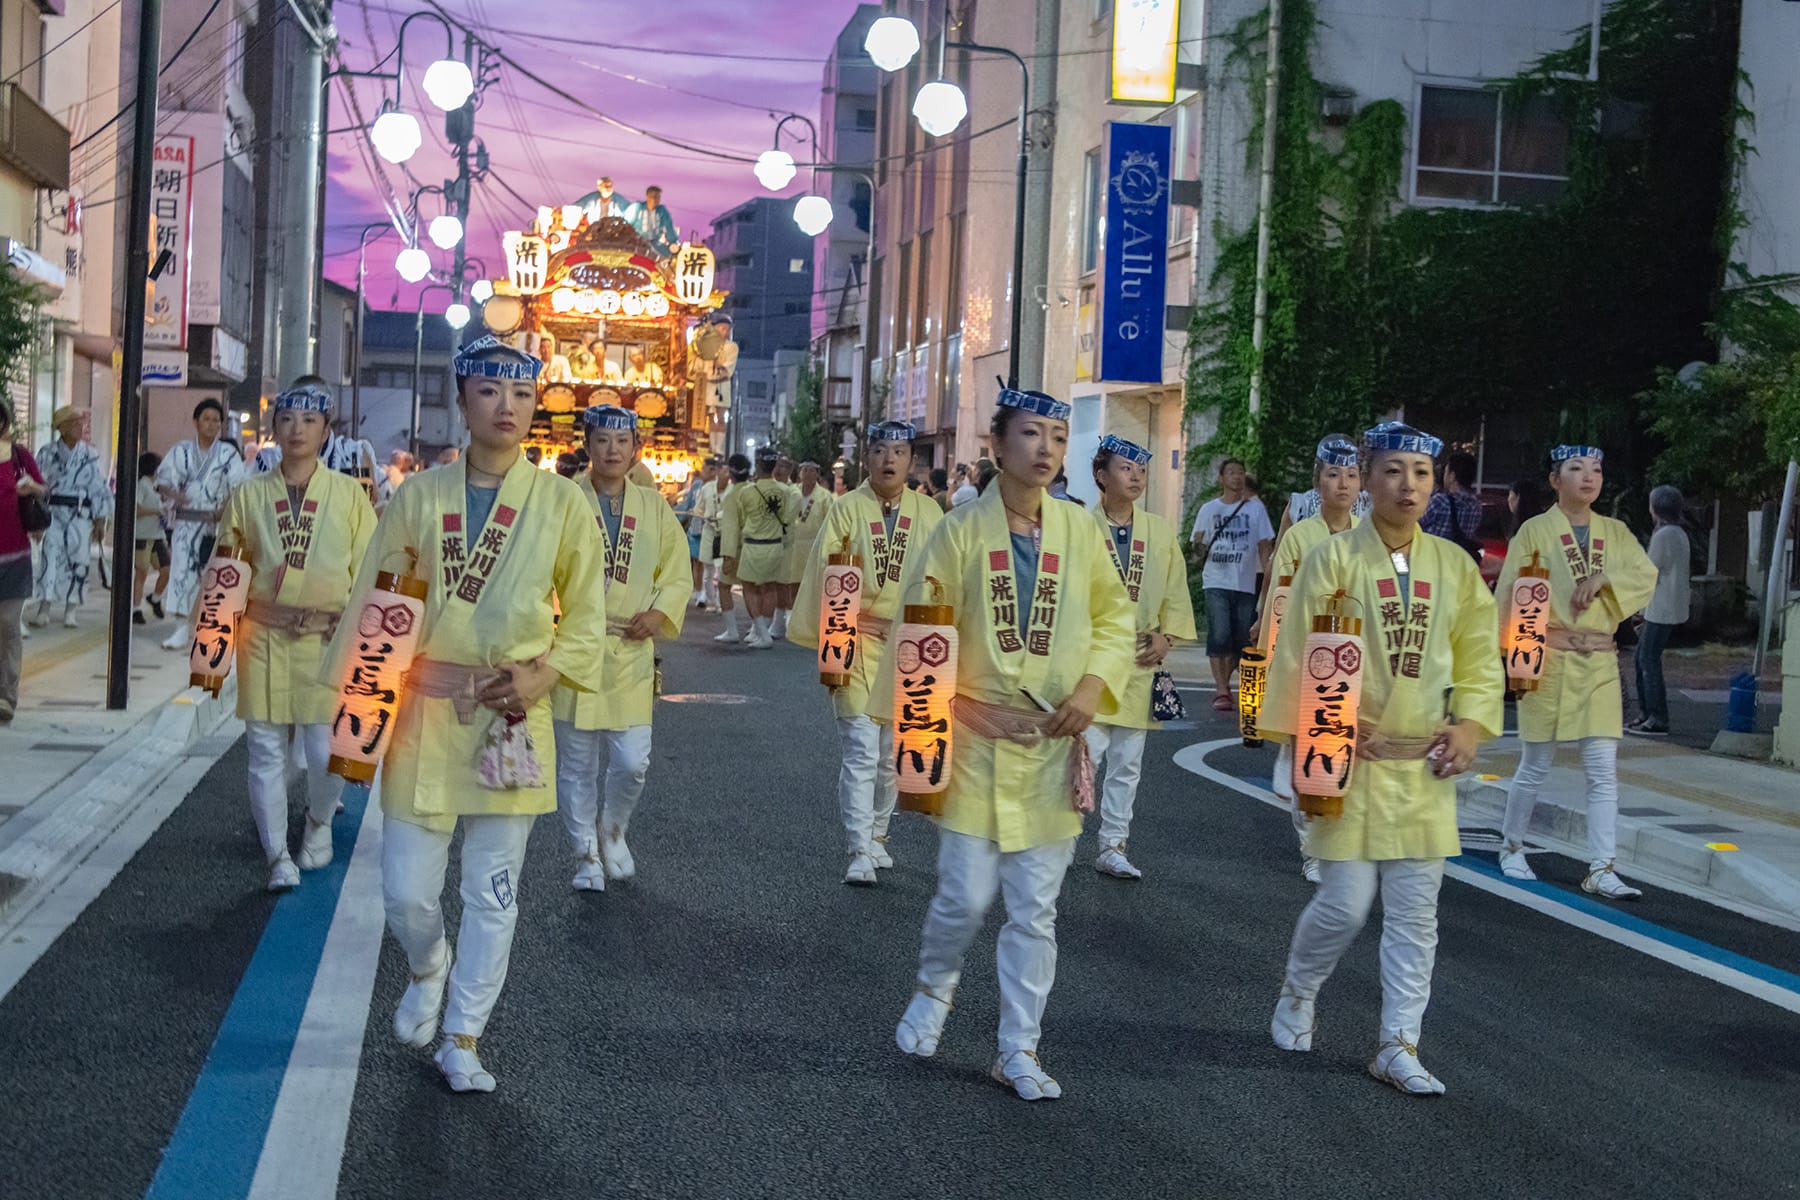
130,419
1259,321
1018,263
299,205
418,356
1776,587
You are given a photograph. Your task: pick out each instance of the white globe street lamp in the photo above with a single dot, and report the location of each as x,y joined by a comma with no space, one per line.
396,135
413,264
448,84
774,169
891,42
445,231
940,107
457,315
812,214
481,290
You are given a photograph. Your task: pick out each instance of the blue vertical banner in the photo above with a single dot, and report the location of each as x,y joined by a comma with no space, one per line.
1134,267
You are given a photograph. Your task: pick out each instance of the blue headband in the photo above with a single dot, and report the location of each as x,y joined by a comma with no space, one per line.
308,397
608,416
1565,453
1400,438
1337,451
492,358
893,431
1038,404
1112,444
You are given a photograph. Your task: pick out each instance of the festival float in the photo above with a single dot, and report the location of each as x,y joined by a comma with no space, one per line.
614,324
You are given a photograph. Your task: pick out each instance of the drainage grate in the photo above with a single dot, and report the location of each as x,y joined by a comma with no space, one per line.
72,747
1644,810
1701,827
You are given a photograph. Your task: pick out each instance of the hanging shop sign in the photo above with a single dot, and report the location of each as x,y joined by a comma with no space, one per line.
1145,35
1135,264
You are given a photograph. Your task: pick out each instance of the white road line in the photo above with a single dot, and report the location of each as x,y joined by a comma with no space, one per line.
303,1150
1193,758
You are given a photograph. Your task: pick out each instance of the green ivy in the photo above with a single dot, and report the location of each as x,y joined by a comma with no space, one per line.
806,438
19,302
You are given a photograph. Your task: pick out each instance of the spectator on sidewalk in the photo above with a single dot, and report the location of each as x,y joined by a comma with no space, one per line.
1454,514
1235,539
1668,608
19,477
150,547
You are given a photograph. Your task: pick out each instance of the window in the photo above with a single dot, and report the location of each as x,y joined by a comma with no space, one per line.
795,308
759,389
865,118
796,266
1090,217
1473,147
922,294
1182,218
953,294
903,293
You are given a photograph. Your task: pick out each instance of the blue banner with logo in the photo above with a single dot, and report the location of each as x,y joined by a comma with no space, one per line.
1135,266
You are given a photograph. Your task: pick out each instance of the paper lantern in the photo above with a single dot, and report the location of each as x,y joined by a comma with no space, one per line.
224,590
840,611
1325,730
387,637
924,650
1253,668
1527,626
1278,602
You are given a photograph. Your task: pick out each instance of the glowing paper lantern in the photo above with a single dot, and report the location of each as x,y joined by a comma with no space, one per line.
387,637
224,590
1527,626
1278,602
1330,691
924,649
693,274
840,611
1253,671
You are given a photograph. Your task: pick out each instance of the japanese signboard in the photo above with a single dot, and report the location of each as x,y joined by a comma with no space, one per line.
171,210
1135,263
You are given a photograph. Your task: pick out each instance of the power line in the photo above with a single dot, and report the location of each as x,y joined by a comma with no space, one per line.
75,33
172,59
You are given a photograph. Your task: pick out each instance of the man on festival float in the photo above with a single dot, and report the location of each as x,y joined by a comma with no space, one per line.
1337,482
77,494
639,370
884,524
813,502
752,534
196,476
600,203
500,544
1599,578
1043,623
303,532
646,580
654,223
1431,690
1147,554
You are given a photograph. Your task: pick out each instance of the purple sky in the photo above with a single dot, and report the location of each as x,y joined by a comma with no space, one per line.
570,148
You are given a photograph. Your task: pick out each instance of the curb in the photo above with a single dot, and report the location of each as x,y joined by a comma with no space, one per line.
1731,874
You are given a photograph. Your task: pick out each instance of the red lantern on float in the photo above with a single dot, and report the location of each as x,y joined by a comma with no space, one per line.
840,612
1527,626
387,638
224,591
1330,691
1253,670
924,650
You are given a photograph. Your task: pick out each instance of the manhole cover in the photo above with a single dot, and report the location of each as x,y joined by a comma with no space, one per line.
707,698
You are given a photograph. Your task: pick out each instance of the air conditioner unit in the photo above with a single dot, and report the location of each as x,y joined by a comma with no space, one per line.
1337,106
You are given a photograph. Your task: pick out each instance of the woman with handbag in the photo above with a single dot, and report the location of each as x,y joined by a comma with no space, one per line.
25,514
1147,555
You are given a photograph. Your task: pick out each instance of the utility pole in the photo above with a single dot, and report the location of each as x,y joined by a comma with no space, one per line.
1033,283
459,129
130,423
299,153
1265,203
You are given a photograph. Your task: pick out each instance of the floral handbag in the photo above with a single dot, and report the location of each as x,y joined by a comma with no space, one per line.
1165,699
508,760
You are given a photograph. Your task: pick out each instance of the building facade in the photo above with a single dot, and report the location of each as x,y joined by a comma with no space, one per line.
765,264
841,255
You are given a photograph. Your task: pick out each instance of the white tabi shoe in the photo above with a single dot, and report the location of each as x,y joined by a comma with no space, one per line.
40,616
778,626
1112,861
416,1018
283,874
861,871
590,873
69,621
461,1068
1025,1075
181,639
1513,864
1293,1024
878,851
1309,870
1604,882
315,846
617,856
1397,1064
729,636
922,1024
759,641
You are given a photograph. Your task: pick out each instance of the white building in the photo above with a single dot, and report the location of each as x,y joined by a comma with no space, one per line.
841,254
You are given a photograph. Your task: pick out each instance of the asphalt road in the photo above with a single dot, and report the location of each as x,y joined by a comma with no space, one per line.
722,1026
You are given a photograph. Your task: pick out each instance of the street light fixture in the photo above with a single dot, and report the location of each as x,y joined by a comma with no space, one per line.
940,107
396,135
812,213
448,84
457,315
891,42
481,290
445,231
774,169
413,264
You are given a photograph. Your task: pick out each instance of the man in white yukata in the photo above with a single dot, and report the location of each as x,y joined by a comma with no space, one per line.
196,476
77,495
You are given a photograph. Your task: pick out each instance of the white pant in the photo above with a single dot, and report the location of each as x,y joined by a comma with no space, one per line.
1121,752
1340,905
267,747
1282,784
970,871
66,555
578,779
1600,762
867,786
413,862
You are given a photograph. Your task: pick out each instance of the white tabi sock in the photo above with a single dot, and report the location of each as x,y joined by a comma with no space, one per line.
731,624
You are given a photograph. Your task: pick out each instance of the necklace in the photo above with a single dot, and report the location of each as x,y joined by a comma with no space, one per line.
1036,523
1397,553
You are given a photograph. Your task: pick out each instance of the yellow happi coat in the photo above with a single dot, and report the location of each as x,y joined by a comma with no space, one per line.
809,518
648,572
1579,694
1300,537
1155,577
1085,624
856,516
552,554
753,525
1395,808
278,673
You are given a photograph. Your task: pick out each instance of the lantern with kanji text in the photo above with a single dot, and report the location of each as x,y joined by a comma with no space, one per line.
1253,673
1278,602
224,591
1325,729
1527,630
924,649
840,611
380,653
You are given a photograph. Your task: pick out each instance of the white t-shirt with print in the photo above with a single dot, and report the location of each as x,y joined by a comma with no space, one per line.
1234,533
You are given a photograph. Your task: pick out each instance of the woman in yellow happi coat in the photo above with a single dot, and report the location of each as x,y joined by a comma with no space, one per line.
753,529
1431,690
1146,553
500,544
1599,577
647,576
1043,624
884,524
303,529
1337,478
812,503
